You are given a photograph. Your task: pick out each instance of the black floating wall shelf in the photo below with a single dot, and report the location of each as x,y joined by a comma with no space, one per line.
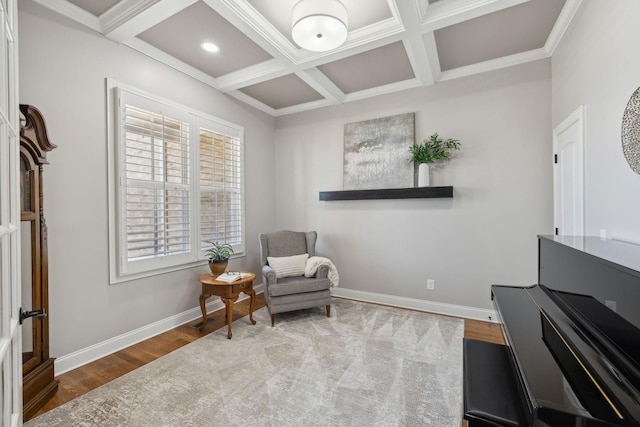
388,193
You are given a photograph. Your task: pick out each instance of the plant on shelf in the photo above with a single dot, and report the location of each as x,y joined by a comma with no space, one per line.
218,254
430,151
433,149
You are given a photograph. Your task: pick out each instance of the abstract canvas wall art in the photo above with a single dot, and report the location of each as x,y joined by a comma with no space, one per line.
376,153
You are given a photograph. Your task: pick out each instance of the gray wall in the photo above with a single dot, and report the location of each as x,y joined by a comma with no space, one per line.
63,67
502,189
597,65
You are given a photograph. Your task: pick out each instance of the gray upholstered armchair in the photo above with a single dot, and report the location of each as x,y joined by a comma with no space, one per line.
292,291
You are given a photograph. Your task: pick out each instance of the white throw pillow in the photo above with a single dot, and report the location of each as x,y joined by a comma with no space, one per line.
288,266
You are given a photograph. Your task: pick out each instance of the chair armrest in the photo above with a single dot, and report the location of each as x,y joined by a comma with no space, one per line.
322,272
268,275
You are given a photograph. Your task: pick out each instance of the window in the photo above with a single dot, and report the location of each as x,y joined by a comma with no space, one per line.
177,184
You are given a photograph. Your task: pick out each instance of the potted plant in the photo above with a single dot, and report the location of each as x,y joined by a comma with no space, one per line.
218,254
430,151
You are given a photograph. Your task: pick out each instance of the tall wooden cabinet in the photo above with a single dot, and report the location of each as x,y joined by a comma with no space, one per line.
39,384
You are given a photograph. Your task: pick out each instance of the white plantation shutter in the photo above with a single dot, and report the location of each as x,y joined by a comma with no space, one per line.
157,184
220,188
165,213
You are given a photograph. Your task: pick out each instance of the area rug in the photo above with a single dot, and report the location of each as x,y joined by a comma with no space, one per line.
367,365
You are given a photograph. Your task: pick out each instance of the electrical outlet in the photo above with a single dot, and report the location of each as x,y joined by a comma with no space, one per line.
603,234
431,284
611,304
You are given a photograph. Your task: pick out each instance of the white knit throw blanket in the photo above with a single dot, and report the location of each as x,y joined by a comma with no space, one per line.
316,261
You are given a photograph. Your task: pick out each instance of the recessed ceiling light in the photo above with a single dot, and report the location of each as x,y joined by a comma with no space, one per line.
210,47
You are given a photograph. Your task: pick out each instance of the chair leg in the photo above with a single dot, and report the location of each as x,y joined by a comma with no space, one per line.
273,319
328,310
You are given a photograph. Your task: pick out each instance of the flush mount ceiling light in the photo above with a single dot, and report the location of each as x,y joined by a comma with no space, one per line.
319,25
210,47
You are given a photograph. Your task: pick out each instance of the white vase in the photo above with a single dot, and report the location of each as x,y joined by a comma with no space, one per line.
423,175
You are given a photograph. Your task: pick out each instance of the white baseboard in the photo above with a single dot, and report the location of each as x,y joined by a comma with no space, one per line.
86,355
417,304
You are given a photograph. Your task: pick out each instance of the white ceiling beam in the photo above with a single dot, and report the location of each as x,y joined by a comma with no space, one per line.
414,45
383,90
322,84
128,18
445,13
431,50
253,74
562,24
252,102
313,105
494,64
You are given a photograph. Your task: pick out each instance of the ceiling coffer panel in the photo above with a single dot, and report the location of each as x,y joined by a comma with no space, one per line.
94,7
181,35
509,31
370,69
282,92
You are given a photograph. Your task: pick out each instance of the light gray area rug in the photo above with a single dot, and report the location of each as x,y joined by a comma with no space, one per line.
367,365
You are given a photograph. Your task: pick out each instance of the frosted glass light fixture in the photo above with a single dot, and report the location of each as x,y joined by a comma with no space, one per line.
319,25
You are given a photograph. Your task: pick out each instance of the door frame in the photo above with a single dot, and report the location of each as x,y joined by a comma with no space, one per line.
576,118
10,288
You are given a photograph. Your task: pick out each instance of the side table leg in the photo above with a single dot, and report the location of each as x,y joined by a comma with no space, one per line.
228,302
252,304
203,309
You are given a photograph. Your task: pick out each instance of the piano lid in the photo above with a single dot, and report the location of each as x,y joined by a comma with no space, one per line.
571,370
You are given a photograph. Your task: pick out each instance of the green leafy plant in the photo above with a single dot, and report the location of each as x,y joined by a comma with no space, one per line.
433,149
219,251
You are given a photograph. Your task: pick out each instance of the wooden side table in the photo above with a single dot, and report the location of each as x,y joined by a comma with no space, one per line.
228,293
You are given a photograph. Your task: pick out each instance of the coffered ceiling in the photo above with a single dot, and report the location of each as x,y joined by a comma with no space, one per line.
392,45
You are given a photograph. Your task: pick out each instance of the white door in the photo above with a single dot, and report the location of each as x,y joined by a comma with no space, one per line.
10,330
568,175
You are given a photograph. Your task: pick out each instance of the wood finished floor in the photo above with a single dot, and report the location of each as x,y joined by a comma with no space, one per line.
90,376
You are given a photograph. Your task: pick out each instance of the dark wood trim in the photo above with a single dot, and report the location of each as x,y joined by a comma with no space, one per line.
388,193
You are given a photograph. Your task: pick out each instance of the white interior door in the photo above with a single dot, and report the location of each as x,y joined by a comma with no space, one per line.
568,175
10,330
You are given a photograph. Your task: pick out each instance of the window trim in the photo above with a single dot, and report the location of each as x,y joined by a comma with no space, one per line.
117,234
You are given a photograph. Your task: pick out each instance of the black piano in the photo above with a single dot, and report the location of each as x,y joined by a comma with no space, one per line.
573,342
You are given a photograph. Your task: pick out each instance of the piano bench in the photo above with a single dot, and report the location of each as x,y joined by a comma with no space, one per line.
491,396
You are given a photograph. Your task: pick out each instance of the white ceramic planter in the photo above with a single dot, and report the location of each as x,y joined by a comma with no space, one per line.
423,175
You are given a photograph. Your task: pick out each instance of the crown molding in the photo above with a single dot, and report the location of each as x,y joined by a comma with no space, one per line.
123,12
166,59
313,105
494,64
322,84
253,74
563,22
129,18
382,90
72,12
445,13
241,96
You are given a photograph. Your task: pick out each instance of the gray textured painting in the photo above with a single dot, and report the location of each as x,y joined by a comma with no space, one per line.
376,153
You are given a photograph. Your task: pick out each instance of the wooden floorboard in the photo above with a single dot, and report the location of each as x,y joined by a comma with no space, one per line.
92,375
